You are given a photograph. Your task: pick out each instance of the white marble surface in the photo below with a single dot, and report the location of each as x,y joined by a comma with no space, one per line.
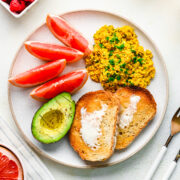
161,20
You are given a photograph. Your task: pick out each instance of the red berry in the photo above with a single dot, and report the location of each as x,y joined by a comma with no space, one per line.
7,1
17,5
29,1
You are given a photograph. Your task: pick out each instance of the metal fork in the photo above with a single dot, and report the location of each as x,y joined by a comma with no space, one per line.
175,128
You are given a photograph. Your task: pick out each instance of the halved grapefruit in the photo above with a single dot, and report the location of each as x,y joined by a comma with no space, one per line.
10,166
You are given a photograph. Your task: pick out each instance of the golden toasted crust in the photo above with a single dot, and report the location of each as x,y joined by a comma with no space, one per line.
146,110
92,102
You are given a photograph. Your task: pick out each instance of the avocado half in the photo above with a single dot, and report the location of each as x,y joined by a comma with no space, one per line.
53,120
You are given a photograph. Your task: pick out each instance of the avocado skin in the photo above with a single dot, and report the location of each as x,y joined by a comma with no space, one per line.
61,102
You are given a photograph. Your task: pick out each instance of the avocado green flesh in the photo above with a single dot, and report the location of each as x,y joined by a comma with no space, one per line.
53,120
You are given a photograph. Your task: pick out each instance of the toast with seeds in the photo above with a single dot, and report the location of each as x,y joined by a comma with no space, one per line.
93,132
140,115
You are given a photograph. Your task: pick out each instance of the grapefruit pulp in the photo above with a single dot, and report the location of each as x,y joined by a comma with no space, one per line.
63,31
10,166
39,75
51,52
70,82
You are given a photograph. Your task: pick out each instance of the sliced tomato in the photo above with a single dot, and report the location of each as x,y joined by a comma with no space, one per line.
67,34
70,82
51,52
39,74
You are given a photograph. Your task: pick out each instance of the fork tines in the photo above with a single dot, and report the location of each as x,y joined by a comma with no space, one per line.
177,113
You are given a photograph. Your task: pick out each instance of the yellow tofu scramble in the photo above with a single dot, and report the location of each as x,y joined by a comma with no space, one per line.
118,59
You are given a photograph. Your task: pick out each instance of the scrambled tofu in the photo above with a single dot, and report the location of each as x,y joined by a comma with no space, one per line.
118,59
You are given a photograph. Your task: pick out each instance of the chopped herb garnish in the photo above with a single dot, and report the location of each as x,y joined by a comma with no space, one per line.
113,69
111,61
101,45
107,74
133,51
107,38
112,40
111,52
121,47
121,69
114,75
140,60
134,59
118,77
131,83
111,79
116,39
126,72
119,60
126,80
106,68
123,65
118,56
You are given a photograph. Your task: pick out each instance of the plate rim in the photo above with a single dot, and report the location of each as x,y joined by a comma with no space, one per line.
110,163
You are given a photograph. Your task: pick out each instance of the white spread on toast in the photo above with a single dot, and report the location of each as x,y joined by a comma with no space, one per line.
127,116
90,126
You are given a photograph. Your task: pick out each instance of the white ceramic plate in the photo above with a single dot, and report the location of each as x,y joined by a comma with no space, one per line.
23,106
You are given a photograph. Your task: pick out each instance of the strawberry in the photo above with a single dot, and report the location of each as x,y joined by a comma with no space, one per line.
17,5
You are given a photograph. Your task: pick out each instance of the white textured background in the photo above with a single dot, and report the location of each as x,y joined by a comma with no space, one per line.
161,20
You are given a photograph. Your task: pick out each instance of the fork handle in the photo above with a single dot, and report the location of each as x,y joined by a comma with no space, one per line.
156,163
169,171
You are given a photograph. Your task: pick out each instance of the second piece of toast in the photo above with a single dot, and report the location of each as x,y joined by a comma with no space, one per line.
93,132
137,108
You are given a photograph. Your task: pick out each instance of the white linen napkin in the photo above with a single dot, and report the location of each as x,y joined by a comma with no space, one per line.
34,167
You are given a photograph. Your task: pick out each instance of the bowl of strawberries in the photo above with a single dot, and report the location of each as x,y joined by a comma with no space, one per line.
17,8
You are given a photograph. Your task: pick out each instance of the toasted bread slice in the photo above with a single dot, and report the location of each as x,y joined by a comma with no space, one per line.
104,108
145,111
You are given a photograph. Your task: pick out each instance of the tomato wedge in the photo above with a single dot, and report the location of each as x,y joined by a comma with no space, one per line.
67,34
51,52
70,82
39,75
